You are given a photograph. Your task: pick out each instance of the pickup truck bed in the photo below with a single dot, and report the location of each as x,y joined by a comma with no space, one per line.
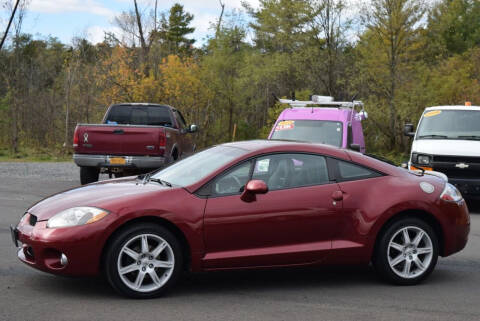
133,138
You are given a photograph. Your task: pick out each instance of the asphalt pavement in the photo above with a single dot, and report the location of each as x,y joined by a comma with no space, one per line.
349,293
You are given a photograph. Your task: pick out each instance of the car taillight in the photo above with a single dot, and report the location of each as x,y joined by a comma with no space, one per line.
451,193
162,140
75,138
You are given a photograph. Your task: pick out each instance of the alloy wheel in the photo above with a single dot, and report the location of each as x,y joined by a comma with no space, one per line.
410,252
145,263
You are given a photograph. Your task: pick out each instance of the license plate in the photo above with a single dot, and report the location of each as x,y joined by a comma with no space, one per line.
117,161
14,234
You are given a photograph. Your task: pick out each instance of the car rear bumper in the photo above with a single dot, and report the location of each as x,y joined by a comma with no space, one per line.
130,161
457,227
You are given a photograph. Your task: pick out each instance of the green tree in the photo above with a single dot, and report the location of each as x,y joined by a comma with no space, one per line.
386,54
178,29
454,26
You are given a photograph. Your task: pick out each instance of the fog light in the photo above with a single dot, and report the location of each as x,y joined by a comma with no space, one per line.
63,260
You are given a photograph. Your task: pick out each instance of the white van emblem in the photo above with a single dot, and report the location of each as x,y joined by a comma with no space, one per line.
462,165
85,138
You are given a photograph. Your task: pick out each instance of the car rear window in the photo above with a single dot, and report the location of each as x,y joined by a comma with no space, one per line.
348,171
139,115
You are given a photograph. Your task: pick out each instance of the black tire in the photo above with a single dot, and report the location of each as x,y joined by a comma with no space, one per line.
88,175
123,238
382,252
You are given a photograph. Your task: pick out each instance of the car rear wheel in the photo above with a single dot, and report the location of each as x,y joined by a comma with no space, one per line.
143,261
406,252
88,175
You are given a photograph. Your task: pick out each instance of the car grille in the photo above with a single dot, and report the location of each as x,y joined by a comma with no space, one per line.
456,159
449,166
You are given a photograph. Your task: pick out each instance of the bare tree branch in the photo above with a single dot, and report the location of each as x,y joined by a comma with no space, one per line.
222,5
143,43
9,24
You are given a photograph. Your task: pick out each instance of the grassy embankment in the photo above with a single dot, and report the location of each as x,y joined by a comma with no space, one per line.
34,155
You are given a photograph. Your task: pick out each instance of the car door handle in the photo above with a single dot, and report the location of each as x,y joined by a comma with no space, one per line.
118,131
337,195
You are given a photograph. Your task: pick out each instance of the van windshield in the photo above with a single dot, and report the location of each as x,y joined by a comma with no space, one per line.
450,124
314,131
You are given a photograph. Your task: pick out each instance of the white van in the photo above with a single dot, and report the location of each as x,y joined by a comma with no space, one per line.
447,140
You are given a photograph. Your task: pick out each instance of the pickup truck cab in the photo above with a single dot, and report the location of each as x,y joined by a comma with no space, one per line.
322,120
133,138
447,140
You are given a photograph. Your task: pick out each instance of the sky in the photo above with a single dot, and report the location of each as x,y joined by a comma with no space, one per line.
66,19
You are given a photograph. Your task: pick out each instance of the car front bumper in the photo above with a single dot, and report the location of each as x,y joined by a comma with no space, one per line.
130,161
42,248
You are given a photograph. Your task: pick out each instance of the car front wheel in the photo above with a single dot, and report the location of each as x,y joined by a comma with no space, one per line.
143,261
406,252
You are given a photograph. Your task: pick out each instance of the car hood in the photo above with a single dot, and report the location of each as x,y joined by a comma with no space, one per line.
105,195
447,147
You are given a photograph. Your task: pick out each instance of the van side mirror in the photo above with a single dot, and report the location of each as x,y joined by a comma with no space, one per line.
408,130
192,128
355,147
253,188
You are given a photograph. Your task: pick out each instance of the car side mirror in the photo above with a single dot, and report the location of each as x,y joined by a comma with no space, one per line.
192,128
355,147
408,130
253,188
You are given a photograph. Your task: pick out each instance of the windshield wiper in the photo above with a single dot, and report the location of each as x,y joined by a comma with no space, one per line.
144,177
434,136
160,181
469,137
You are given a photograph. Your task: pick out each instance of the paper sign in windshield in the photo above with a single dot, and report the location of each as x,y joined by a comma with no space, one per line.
432,113
285,125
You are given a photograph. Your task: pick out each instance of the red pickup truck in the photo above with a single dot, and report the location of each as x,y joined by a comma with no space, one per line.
133,138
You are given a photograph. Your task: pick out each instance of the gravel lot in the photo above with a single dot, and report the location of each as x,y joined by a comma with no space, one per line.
451,293
55,172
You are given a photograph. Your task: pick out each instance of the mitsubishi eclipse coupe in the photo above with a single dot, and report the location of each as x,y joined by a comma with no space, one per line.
247,205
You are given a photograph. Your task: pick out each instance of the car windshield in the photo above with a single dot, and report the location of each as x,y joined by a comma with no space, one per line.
450,124
315,131
194,168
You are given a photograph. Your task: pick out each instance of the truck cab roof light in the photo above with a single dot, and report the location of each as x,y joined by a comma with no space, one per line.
468,103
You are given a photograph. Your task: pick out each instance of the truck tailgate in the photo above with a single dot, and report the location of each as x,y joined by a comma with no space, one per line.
120,140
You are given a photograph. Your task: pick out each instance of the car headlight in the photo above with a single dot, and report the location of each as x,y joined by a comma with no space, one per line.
451,193
76,216
423,159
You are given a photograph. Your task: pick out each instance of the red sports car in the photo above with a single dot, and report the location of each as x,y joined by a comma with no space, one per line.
245,205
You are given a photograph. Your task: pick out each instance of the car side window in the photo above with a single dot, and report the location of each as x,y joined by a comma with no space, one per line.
281,171
180,120
348,171
233,181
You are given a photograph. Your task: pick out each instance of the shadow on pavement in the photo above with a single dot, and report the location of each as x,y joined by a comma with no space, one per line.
230,282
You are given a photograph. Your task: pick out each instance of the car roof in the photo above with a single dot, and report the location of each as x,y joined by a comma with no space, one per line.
454,107
142,104
273,145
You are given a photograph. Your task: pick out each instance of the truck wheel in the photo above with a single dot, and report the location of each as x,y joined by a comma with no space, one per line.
88,175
